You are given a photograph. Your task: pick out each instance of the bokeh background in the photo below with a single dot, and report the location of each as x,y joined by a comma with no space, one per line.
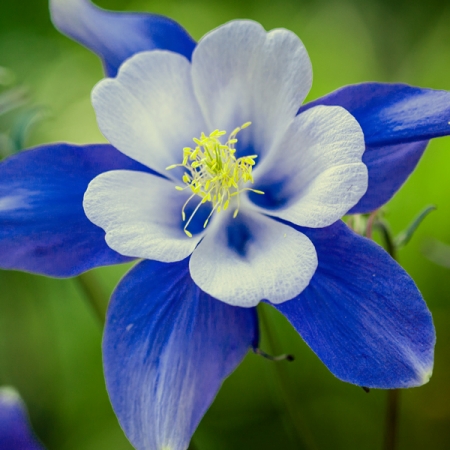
50,336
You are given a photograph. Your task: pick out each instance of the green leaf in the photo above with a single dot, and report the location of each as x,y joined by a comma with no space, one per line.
405,236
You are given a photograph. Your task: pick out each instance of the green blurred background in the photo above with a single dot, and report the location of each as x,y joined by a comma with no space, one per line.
49,335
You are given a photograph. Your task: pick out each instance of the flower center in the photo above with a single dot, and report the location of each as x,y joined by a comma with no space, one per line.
214,173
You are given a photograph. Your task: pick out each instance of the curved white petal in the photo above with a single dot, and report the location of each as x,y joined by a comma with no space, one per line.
315,175
241,73
141,214
245,260
149,112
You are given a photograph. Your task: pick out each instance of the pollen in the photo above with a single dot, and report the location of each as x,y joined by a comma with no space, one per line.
214,174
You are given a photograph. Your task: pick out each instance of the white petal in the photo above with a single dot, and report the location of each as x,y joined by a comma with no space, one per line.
149,112
141,214
241,73
316,174
245,260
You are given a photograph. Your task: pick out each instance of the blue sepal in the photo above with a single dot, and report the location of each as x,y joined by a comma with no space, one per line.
397,121
115,36
362,314
167,348
391,114
44,228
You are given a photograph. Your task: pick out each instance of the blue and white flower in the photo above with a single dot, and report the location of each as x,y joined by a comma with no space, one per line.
231,192
307,167
15,428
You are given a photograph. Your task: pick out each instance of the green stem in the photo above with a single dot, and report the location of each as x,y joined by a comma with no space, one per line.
94,294
303,434
392,413
387,238
393,395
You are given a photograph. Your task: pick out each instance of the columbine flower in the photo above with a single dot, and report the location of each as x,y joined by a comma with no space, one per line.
225,213
15,428
309,169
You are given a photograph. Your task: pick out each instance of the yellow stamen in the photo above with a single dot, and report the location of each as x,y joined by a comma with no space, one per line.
214,173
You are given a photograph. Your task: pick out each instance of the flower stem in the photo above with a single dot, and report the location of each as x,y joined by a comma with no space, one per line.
386,234
393,395
392,413
303,434
94,294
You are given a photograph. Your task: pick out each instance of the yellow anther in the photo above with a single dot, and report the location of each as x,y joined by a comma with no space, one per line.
214,173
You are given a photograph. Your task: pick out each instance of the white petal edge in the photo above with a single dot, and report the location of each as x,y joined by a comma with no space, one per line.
149,112
277,264
241,73
141,214
317,168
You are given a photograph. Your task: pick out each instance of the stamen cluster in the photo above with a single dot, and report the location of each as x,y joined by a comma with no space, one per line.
214,173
